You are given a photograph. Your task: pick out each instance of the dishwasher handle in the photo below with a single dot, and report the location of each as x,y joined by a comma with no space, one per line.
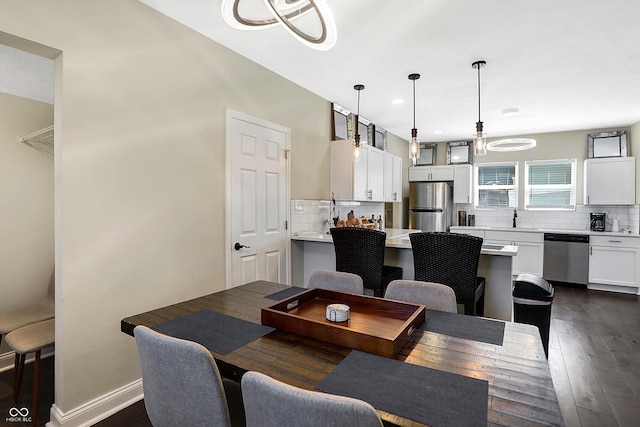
574,238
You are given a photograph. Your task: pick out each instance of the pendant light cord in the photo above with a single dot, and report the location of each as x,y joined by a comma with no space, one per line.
414,104
479,92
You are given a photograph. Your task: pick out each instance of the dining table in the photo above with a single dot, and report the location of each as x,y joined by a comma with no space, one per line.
453,370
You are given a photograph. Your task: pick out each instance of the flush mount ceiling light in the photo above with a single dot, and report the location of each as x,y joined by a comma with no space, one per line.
511,144
317,30
414,144
356,147
480,142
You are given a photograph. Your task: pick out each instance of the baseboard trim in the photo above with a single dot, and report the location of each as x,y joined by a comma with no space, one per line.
98,409
7,360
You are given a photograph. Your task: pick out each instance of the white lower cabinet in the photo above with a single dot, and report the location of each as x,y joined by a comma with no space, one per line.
530,249
613,261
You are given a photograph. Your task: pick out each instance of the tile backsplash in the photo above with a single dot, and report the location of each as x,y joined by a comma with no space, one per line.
628,216
315,215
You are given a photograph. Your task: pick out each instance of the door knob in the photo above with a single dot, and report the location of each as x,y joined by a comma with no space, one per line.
239,246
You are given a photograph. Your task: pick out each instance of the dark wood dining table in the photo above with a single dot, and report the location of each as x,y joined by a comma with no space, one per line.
520,388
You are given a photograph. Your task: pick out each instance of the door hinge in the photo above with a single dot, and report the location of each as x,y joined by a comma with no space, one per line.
286,225
286,154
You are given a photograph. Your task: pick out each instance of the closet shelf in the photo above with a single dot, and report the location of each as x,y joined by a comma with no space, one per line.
41,140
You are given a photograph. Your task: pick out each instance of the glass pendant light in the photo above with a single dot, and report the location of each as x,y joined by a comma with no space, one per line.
480,141
414,144
356,146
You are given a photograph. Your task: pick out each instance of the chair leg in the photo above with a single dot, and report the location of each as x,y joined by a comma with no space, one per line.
36,388
17,375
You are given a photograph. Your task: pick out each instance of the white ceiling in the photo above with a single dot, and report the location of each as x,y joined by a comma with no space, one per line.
565,64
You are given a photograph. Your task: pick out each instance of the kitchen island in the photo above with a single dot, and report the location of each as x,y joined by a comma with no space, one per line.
314,251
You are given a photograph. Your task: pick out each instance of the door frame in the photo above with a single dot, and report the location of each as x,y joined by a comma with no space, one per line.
237,115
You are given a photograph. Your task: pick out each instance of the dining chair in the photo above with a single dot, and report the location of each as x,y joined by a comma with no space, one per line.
360,251
271,403
451,259
336,281
434,296
182,385
32,338
43,310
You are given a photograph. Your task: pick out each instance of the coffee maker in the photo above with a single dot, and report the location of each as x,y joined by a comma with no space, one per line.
597,221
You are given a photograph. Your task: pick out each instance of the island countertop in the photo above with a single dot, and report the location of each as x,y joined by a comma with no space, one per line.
399,238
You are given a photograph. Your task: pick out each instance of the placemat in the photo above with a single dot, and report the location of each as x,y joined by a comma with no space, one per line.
415,392
462,326
216,331
285,293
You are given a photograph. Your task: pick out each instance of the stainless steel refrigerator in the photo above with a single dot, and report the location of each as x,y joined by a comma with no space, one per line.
430,206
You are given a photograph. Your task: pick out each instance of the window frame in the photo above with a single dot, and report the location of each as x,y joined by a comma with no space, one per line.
572,187
478,187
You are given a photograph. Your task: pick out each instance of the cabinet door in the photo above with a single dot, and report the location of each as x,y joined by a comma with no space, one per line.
462,184
388,177
442,173
375,163
610,181
613,266
530,249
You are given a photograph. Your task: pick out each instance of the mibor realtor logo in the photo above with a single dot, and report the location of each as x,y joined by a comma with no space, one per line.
18,415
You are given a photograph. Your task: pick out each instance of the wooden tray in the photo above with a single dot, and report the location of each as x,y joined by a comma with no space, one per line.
377,325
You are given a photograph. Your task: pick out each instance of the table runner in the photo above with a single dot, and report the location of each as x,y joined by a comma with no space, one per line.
285,293
422,394
216,331
463,326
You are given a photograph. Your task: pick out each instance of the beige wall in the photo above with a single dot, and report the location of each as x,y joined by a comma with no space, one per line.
26,205
557,145
139,188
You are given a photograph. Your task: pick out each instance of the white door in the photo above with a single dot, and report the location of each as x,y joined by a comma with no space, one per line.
257,194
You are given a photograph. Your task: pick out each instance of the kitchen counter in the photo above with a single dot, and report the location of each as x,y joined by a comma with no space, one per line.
314,251
545,230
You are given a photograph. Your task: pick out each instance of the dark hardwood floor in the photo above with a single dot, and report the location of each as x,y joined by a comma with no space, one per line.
594,356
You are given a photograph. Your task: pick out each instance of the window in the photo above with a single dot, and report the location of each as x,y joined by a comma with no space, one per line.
497,185
550,185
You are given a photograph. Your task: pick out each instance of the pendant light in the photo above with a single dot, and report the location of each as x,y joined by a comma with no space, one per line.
512,144
480,142
356,147
414,145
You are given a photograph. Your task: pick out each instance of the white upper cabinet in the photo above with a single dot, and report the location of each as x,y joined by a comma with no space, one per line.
431,173
462,184
610,181
369,179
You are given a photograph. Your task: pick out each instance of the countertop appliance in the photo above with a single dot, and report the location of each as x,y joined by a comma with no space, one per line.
430,206
597,221
566,258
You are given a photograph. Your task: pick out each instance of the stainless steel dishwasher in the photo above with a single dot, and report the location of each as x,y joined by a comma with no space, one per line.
566,258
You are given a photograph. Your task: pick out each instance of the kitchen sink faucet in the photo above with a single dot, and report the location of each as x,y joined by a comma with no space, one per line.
515,215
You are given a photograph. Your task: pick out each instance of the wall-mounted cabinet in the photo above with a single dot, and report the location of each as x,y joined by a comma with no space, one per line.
376,177
431,173
610,181
462,184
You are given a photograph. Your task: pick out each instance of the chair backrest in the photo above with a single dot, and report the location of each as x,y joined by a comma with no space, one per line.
448,258
271,403
336,281
180,380
434,296
360,251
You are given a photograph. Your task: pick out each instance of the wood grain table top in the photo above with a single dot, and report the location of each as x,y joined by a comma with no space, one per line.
521,391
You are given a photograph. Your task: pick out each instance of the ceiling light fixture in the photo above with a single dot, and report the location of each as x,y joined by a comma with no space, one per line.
356,146
414,144
284,12
511,144
480,142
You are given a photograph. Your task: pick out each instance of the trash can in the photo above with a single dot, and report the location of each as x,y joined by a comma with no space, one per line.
532,299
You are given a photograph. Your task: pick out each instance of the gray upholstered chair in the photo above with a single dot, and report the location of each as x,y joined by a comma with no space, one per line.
43,310
271,403
182,385
336,281
433,296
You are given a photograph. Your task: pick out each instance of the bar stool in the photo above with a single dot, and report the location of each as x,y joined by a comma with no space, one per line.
360,251
29,339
